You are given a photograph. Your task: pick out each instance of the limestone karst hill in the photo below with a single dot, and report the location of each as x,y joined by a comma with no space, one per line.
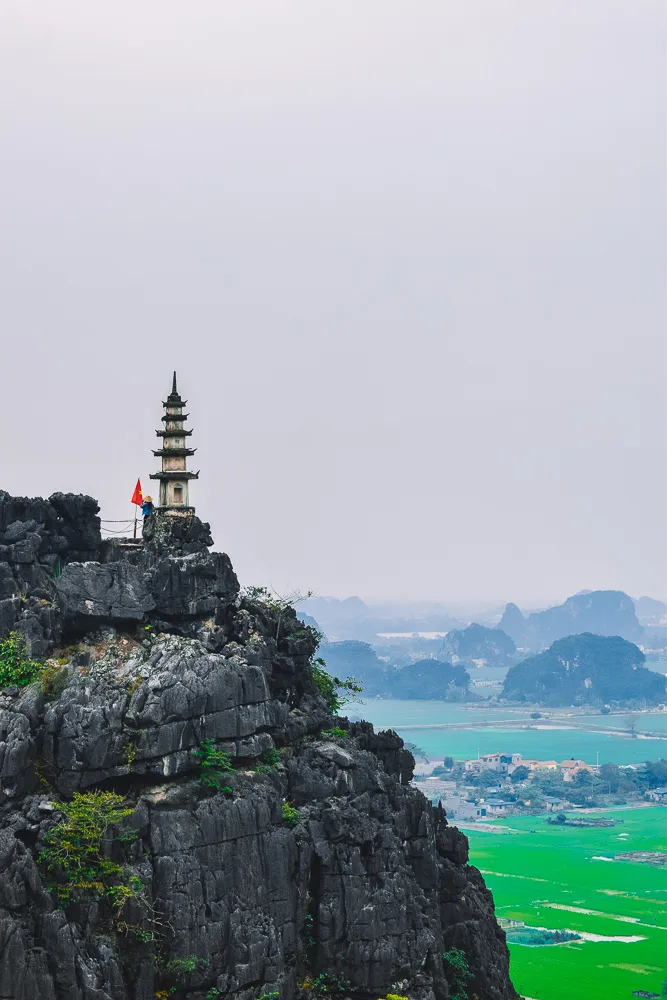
181,814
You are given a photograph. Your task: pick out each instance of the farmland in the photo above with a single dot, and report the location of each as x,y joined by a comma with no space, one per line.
556,878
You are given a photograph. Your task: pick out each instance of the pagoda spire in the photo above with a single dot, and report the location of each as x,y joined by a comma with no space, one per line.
174,477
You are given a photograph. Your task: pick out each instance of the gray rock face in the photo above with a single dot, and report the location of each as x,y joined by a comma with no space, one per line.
192,585
90,594
321,860
37,538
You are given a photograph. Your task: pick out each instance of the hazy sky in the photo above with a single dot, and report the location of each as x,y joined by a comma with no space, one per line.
408,259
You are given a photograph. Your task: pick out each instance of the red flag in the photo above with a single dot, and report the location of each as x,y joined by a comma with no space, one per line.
137,496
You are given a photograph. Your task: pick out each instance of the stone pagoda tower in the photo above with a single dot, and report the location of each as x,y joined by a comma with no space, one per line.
174,478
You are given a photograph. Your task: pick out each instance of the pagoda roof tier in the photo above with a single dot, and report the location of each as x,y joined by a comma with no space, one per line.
178,452
174,474
175,416
176,401
173,433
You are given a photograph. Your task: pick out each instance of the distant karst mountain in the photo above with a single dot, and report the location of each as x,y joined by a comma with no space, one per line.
352,658
477,642
429,679
585,669
649,611
603,612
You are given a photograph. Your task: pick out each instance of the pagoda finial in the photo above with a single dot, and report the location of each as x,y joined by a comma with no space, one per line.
174,390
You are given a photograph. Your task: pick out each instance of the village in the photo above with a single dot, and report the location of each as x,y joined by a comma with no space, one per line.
505,784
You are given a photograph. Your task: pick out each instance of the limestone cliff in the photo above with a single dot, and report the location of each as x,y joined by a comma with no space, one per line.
268,848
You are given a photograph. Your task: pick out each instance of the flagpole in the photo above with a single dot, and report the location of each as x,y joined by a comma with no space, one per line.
135,521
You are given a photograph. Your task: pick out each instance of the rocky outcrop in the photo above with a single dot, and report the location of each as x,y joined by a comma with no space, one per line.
37,538
91,594
270,848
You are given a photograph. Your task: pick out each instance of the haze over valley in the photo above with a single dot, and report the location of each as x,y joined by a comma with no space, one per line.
310,299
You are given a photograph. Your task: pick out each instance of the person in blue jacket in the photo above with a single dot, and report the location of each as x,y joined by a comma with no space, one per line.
147,506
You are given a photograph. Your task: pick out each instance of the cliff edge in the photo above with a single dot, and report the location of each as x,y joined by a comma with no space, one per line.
181,814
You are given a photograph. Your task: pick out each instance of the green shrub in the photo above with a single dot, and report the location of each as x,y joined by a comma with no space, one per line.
187,965
16,668
457,973
271,757
291,815
130,751
339,734
73,859
52,679
331,985
335,692
214,765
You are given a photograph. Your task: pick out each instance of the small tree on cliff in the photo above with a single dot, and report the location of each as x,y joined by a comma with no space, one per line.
278,603
457,973
335,692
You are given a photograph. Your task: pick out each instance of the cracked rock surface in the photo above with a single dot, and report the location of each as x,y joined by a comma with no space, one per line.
313,856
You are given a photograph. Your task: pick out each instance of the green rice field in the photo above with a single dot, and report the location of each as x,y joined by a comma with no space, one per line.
555,878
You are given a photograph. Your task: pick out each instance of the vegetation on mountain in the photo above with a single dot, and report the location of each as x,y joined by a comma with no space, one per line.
16,666
585,669
336,692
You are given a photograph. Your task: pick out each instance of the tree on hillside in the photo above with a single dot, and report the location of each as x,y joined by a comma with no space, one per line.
610,774
656,772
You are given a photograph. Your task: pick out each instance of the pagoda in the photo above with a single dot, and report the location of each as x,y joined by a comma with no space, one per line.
174,478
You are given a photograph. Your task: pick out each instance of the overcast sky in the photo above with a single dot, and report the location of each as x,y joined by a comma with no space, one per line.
408,259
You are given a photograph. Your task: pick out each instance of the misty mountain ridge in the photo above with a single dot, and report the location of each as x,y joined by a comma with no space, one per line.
602,612
351,618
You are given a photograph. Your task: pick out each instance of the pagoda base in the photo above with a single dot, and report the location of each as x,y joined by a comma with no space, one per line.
175,510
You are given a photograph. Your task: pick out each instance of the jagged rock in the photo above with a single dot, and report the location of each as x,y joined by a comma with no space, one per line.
359,879
90,594
37,538
192,585
17,752
176,534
